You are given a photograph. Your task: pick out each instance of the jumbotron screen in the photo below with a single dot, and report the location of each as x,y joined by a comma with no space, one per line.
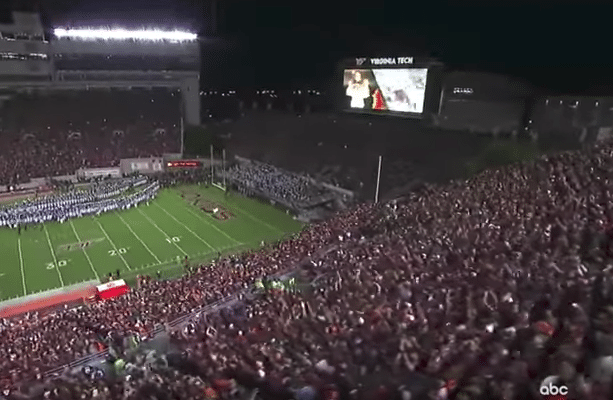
385,90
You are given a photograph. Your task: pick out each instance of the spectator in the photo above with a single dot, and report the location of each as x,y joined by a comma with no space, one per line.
476,289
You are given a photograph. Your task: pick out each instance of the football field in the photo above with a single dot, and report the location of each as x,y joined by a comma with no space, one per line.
191,221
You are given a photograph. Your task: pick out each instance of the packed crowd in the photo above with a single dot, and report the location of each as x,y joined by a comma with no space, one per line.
273,183
482,289
184,177
55,134
104,196
49,341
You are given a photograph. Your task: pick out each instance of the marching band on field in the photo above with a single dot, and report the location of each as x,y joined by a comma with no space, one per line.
99,198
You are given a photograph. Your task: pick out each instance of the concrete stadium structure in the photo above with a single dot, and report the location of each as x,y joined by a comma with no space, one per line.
30,62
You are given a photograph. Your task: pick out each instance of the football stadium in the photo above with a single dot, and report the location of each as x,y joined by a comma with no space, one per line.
189,221
417,233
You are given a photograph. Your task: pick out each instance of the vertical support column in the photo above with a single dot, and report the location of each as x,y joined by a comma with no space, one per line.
223,167
214,17
212,171
190,92
182,137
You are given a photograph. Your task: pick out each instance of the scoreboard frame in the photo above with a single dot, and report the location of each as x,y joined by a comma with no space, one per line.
432,92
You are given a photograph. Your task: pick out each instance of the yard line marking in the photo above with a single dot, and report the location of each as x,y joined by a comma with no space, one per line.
213,226
256,219
185,226
172,261
113,244
84,252
57,267
160,229
23,275
139,239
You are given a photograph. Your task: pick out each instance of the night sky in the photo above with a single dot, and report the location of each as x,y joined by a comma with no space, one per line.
562,46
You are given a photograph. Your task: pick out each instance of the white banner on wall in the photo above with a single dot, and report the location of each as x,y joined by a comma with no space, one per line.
88,173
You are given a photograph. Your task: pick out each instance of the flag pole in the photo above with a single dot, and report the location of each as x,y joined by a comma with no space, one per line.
378,181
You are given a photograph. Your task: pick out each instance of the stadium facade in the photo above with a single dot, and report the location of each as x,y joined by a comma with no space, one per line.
588,117
483,102
89,59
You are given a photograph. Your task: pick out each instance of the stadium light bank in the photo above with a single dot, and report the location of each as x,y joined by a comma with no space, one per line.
124,34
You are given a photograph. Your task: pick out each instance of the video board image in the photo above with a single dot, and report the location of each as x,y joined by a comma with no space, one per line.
380,90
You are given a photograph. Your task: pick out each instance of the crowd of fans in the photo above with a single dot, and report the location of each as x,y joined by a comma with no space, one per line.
120,194
54,134
49,341
482,289
274,183
184,177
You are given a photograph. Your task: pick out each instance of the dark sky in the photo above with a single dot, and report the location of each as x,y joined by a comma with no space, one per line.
555,44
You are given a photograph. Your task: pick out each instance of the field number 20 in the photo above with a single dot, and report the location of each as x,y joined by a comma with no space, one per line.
61,263
118,251
173,239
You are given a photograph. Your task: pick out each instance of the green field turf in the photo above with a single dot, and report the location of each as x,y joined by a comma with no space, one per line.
141,240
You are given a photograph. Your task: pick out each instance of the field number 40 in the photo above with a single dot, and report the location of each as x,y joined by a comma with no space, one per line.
173,239
61,263
118,251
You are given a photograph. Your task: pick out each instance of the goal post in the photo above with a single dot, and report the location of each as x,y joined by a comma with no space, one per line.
218,180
